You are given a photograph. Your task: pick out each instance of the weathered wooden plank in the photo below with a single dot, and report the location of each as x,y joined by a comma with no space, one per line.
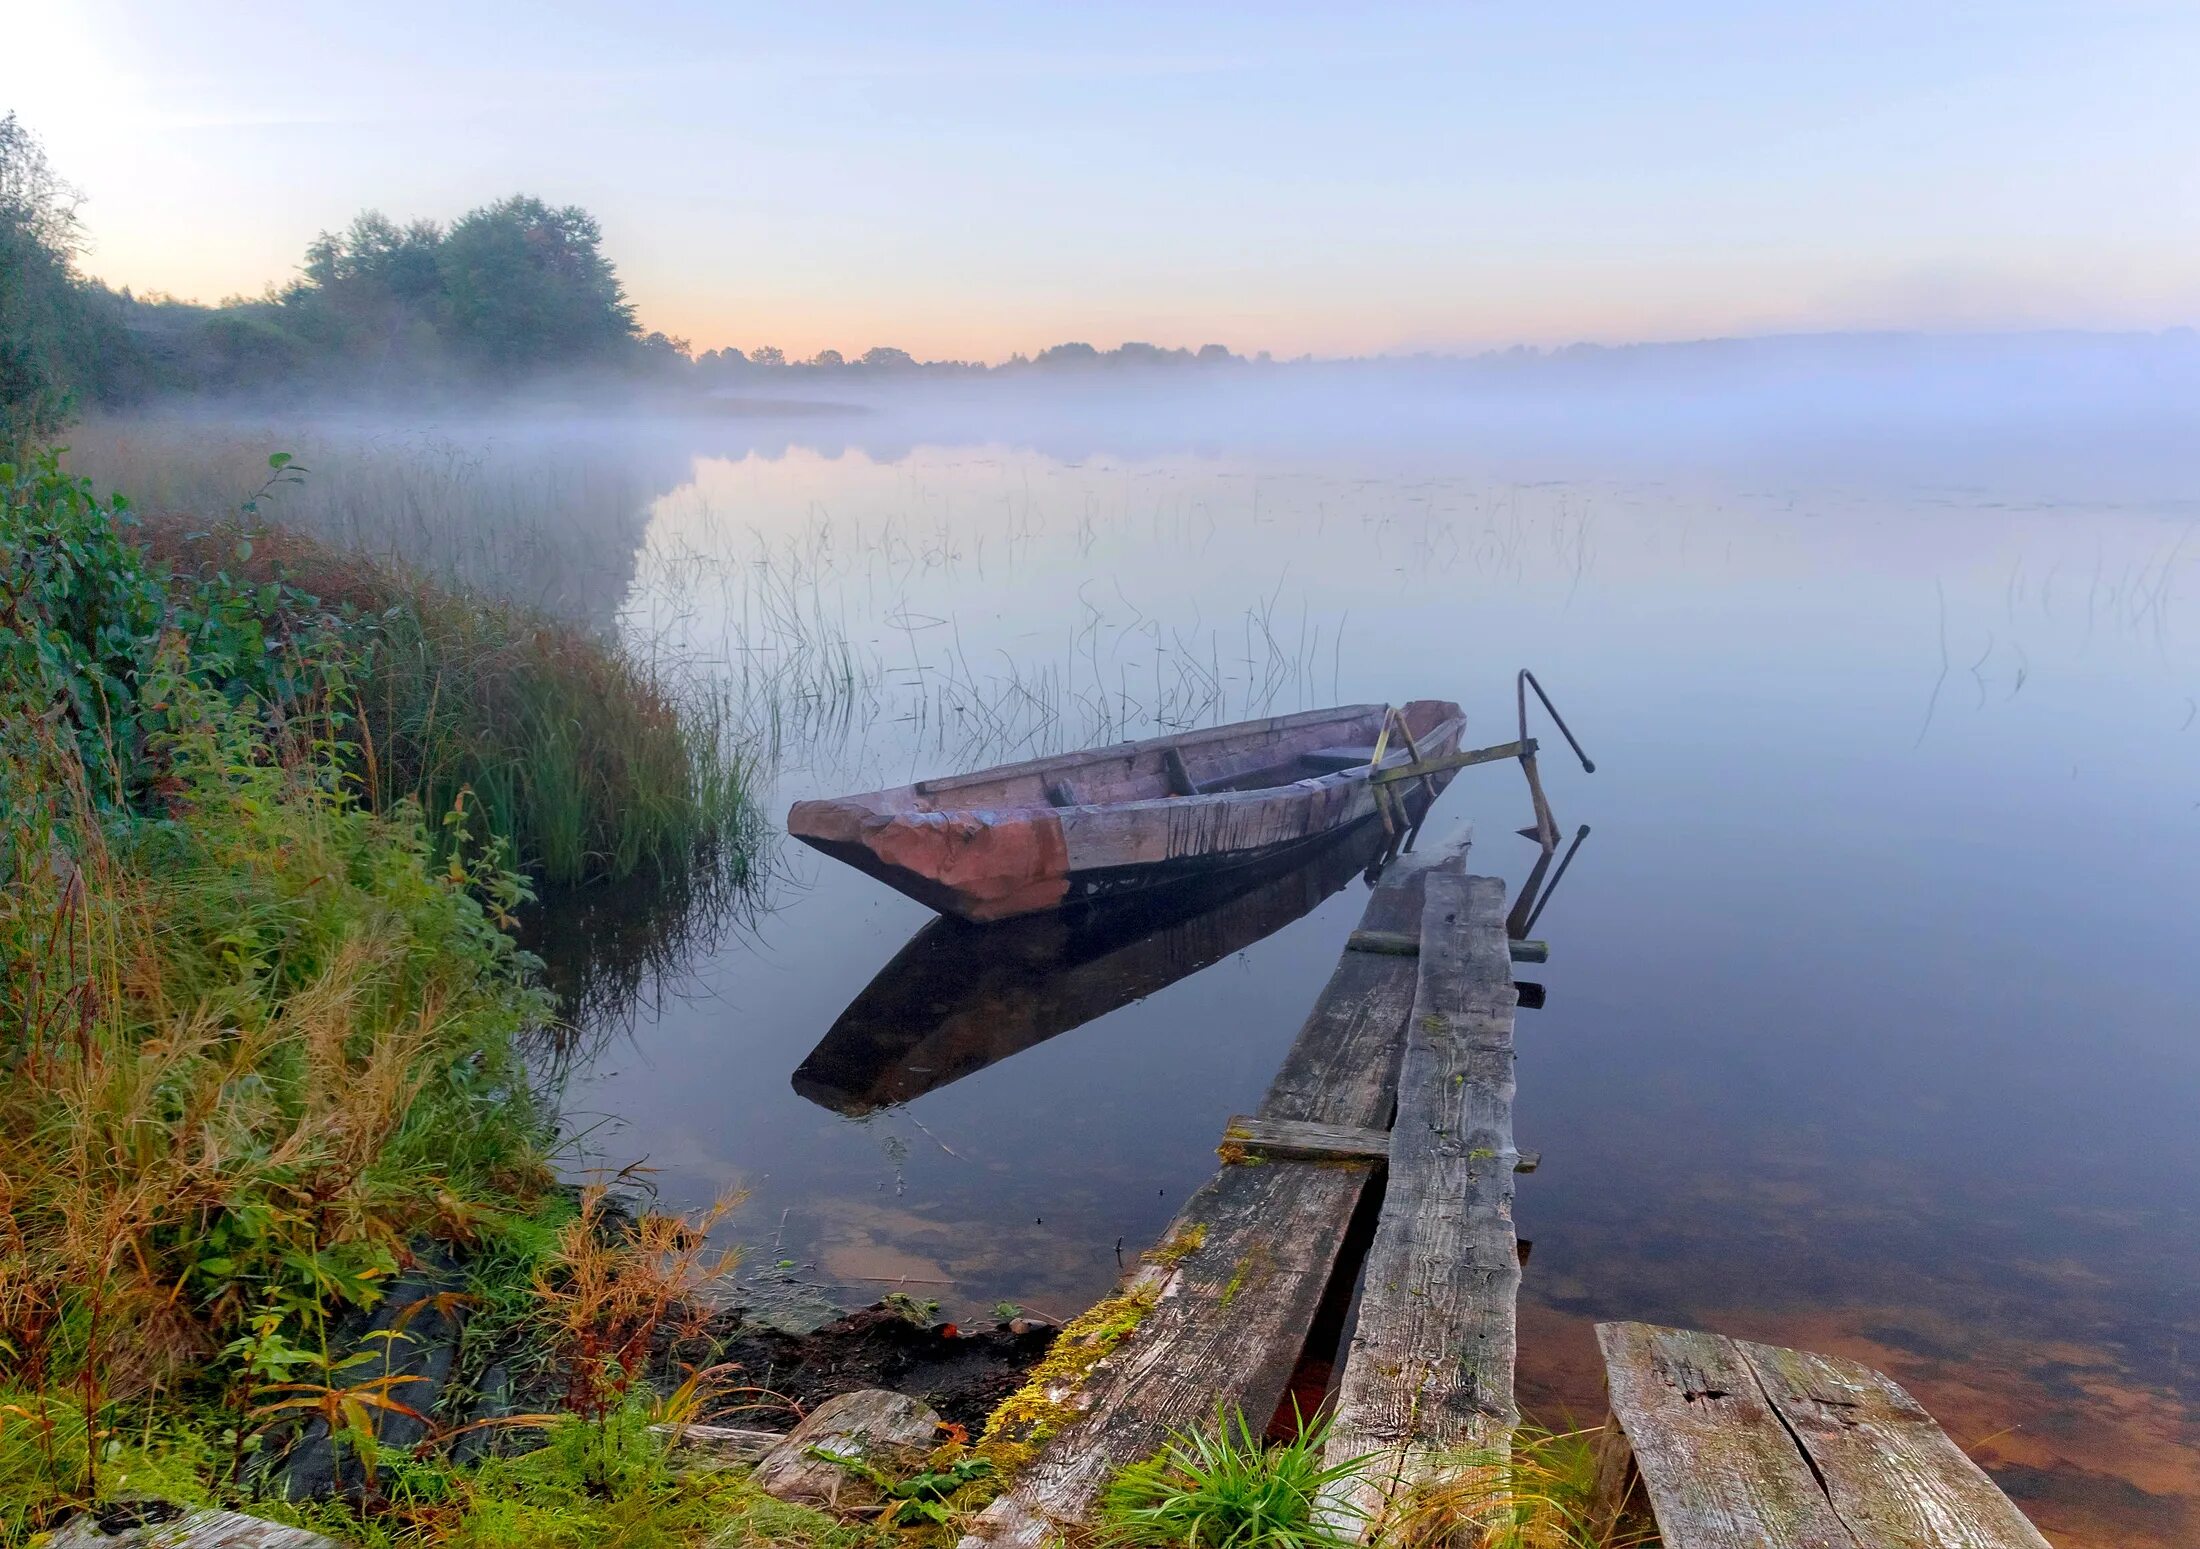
1444,763
1244,1265
1893,1475
1296,1140
1430,1367
1719,1467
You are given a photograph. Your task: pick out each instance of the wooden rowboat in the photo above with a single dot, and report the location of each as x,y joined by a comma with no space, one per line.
1052,831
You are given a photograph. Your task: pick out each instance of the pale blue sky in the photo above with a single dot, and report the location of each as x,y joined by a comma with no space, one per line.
976,179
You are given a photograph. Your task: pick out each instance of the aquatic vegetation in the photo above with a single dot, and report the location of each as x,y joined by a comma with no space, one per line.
258,1050
1226,1488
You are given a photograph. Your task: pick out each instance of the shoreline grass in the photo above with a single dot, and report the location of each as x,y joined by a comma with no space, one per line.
588,761
260,1055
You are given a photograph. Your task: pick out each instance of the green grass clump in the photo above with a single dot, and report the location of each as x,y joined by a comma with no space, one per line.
1227,1489
589,761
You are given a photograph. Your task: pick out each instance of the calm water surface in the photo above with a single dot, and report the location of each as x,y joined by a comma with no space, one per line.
1871,1007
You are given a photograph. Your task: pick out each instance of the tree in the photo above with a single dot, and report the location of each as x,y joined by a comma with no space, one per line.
884,358
1074,354
373,291
44,321
828,359
767,355
526,285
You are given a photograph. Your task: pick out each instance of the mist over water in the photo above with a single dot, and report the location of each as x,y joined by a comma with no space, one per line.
1871,992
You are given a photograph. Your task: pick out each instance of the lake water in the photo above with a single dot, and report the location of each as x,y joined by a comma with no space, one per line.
1870,1020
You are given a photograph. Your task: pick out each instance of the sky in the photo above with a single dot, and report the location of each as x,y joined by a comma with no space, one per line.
972,180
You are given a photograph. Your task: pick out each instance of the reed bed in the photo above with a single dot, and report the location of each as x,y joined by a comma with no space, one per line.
588,761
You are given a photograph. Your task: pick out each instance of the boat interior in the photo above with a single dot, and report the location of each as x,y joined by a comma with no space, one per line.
1249,756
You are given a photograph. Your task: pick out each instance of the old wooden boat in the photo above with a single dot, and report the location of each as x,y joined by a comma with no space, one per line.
1052,831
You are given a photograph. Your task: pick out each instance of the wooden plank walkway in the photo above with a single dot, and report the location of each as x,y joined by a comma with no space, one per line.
1431,1363
1244,1266
1747,1446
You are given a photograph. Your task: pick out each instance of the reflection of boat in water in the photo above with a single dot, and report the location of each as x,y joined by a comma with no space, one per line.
960,997
1023,838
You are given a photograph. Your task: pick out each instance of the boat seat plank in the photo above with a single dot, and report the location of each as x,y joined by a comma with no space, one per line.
1736,1443
1430,1367
1243,1267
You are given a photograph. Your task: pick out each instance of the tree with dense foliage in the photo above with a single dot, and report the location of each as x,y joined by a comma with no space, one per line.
45,325
524,285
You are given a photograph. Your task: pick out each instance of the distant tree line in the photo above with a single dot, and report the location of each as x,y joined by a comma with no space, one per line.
731,365
510,291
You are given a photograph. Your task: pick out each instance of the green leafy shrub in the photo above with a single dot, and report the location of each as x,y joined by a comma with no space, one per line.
85,614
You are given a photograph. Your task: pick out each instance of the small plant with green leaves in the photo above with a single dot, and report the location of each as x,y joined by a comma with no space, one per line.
1225,1488
926,1496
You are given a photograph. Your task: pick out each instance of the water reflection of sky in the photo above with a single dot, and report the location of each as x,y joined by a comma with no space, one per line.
1871,1001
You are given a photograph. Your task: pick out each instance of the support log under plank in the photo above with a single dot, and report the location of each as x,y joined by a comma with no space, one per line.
1431,1362
1231,1313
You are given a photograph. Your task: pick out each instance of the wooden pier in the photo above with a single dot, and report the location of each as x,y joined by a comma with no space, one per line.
1402,1079
1232,1290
